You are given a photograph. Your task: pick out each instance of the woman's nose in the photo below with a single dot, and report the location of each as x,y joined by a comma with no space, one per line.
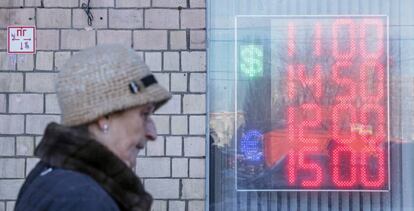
150,130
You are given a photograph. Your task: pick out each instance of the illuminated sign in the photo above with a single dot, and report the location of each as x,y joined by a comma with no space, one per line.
251,60
251,145
331,75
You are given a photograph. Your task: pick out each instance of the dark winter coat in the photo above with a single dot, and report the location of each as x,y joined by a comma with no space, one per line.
78,173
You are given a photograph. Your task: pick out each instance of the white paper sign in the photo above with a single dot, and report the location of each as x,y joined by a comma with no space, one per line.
21,39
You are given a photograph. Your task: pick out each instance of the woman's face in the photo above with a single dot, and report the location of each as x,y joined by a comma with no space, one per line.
128,132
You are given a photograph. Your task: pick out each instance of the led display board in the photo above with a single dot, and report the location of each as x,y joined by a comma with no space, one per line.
329,107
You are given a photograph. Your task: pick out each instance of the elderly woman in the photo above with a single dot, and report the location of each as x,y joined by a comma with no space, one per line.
107,95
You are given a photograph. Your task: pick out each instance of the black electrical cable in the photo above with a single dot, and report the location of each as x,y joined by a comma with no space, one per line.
88,12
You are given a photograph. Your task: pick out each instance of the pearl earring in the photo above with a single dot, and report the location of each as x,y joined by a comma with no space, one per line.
105,128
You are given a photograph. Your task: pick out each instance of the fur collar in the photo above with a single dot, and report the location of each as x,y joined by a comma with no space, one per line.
63,148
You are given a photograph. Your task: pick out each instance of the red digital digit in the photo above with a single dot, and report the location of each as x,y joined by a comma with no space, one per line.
379,28
313,167
340,112
336,51
338,177
291,167
292,81
377,85
377,124
315,111
344,82
375,179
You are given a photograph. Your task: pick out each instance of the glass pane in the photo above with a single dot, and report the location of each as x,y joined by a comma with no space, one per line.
310,105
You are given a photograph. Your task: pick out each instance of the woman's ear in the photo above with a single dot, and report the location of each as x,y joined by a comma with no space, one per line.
103,123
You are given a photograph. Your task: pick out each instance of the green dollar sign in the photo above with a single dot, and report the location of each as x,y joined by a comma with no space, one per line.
251,60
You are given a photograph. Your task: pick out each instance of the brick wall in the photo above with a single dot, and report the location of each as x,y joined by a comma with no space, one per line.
168,34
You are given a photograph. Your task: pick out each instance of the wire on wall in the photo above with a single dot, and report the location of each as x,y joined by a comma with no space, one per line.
88,12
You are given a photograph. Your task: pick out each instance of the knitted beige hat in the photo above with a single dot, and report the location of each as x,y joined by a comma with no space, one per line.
102,80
